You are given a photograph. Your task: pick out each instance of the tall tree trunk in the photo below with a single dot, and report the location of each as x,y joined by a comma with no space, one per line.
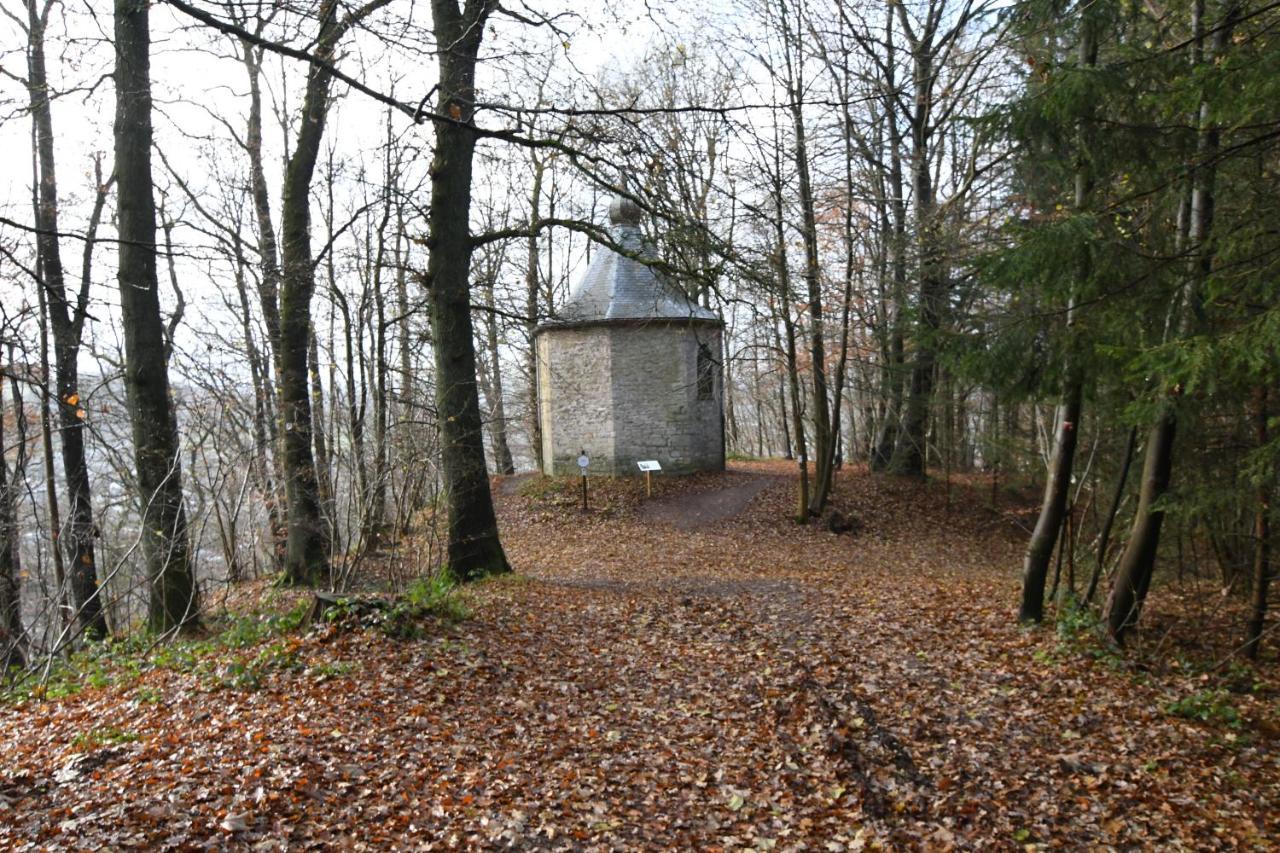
67,322
1261,538
531,283
50,477
268,245
165,539
268,295
1035,567
474,549
1137,564
823,446
910,455
783,376
403,332
834,459
497,409
324,467
260,372
308,548
376,511
12,638
782,305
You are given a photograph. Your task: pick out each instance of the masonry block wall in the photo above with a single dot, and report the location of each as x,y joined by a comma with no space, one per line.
631,391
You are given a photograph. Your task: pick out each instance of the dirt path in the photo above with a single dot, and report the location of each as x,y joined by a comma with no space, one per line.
691,510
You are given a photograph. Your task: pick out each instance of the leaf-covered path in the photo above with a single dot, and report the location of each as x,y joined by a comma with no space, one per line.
640,684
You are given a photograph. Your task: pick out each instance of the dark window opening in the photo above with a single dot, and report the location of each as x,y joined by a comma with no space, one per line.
706,373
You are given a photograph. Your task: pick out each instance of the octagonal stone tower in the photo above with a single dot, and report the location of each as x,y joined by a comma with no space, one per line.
631,368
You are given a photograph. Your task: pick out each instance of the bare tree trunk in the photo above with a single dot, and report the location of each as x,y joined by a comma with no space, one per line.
1104,537
1261,539
787,452
497,409
268,297
263,389
165,538
782,305
823,446
910,453
324,466
67,323
308,548
403,331
50,477
531,311
12,637
474,549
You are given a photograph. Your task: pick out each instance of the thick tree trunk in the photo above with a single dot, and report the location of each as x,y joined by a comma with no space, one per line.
474,549
67,322
165,538
910,455
1035,567
1133,575
911,452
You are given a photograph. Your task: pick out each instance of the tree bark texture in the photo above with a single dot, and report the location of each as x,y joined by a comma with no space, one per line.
66,321
308,546
474,549
174,599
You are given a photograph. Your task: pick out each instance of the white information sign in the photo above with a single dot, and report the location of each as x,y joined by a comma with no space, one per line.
583,462
647,465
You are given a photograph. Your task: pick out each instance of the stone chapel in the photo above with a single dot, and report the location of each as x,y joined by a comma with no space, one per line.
630,368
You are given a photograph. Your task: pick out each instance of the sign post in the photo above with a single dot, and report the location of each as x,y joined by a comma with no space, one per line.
648,466
583,461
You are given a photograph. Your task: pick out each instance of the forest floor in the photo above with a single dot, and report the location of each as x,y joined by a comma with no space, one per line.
688,671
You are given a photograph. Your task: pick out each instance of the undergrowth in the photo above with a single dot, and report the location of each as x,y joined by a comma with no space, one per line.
1080,633
237,652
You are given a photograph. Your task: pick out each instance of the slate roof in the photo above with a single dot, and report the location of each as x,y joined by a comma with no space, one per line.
616,287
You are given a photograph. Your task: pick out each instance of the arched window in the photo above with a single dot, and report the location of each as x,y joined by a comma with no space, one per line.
706,373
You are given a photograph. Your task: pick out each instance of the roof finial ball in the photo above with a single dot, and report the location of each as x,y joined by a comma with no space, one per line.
624,211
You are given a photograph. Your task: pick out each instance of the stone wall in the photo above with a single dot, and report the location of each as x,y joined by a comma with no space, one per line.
629,392
575,400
